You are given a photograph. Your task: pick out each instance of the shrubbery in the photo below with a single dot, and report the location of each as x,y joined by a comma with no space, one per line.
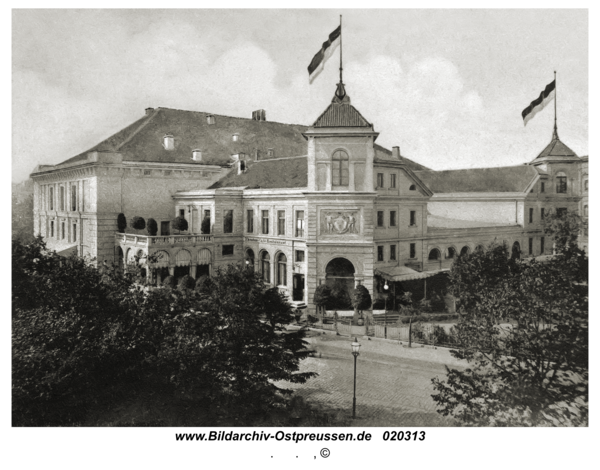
138,223
179,223
186,282
152,227
121,223
169,281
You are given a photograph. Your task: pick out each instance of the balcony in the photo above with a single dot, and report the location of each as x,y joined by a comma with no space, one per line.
145,241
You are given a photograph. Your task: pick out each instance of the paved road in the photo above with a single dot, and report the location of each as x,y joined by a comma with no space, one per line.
393,382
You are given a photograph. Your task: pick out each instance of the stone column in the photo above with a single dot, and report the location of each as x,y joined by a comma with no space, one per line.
171,270
193,271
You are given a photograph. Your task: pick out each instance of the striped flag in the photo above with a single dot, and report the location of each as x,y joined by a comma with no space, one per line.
540,103
318,62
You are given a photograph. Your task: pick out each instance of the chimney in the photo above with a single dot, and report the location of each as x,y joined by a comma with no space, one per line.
259,115
241,164
396,152
149,111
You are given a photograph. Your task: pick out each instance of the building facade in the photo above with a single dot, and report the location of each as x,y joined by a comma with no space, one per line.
301,205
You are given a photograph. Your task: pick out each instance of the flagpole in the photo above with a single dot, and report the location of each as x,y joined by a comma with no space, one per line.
555,97
341,81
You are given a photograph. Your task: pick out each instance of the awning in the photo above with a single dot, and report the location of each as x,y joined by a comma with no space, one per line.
68,252
404,273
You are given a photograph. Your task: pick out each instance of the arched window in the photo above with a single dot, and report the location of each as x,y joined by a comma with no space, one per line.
412,187
281,270
479,248
266,267
465,251
339,168
434,255
250,258
561,182
450,253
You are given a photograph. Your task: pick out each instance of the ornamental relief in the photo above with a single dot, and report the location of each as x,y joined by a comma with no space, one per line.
339,222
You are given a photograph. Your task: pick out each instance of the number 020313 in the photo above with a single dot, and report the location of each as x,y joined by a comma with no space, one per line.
404,436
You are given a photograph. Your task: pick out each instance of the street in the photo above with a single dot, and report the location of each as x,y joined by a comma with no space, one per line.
393,382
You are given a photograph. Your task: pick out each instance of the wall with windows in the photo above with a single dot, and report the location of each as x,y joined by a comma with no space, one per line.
479,208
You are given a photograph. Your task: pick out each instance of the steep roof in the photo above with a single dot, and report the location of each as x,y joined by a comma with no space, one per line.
384,155
556,151
279,173
142,140
485,180
340,113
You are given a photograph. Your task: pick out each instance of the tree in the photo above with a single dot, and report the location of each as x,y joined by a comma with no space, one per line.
83,336
361,300
523,328
138,223
179,223
169,281
121,223
186,282
322,297
152,227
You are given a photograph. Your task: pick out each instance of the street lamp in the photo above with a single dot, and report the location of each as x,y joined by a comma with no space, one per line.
355,348
385,289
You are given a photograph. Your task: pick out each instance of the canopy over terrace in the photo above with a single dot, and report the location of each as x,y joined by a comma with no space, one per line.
404,273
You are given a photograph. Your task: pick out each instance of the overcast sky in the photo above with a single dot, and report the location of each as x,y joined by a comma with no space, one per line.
447,86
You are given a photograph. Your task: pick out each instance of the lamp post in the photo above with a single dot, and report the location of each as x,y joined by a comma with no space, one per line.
386,289
355,348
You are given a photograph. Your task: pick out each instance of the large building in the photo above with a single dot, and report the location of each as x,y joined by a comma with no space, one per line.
301,205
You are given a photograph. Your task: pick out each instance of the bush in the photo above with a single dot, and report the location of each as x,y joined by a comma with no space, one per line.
169,281
121,223
179,223
138,223
322,296
379,304
200,281
186,282
361,299
152,227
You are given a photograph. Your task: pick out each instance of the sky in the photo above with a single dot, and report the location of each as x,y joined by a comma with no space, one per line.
446,86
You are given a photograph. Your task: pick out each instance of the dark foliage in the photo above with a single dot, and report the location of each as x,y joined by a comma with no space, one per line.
186,282
524,328
138,223
121,223
179,223
22,212
152,227
322,296
361,299
83,336
169,281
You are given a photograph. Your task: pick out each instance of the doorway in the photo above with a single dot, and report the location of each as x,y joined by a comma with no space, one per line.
298,290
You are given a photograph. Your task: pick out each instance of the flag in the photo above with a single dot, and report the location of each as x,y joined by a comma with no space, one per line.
318,62
540,103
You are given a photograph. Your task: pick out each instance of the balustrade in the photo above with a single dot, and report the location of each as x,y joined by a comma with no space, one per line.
146,240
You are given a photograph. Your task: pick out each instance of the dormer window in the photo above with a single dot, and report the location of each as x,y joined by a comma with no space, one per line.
235,137
412,187
210,119
270,153
169,142
561,183
197,155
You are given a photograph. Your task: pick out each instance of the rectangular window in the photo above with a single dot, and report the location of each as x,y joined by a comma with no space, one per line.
393,180
51,199
299,223
73,198
531,246
62,230
340,172
227,250
280,222
380,218
392,252
585,211
392,218
265,222
182,213
542,213
585,185
250,221
561,211
531,215
299,256
165,228
74,232
228,221
413,218
380,253
561,184
380,180
62,198
413,250
542,245
52,228
543,187
205,226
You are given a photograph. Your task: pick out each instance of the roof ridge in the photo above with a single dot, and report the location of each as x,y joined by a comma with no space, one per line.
280,158
479,168
231,117
140,127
